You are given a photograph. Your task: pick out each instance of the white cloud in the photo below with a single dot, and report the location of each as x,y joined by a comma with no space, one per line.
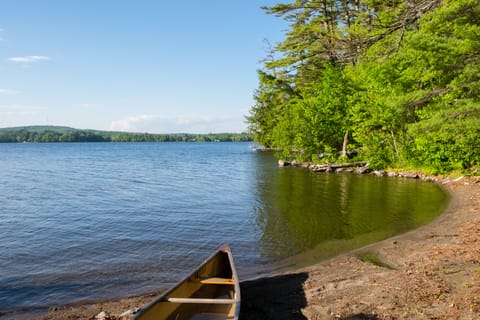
28,59
179,124
9,91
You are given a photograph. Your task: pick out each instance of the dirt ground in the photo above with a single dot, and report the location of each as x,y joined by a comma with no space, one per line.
429,273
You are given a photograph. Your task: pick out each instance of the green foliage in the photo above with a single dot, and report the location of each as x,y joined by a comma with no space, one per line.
319,116
373,258
400,77
271,98
449,139
59,134
375,114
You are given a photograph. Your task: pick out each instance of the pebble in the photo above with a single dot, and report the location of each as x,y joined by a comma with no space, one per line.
102,316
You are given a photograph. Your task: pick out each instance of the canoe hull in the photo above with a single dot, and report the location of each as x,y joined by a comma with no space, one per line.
211,291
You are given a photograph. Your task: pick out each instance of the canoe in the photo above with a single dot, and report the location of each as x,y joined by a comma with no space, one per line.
210,292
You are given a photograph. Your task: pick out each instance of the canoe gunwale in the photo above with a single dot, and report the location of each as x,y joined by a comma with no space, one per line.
235,300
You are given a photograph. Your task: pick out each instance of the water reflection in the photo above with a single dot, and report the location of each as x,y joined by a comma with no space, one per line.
297,211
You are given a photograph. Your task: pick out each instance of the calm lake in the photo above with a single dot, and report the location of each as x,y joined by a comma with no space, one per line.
104,220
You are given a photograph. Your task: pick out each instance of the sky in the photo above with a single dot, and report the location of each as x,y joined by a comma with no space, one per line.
156,66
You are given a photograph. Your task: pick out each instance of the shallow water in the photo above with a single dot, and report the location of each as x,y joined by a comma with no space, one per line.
103,220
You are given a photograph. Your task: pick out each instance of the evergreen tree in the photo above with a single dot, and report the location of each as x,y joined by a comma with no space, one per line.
397,80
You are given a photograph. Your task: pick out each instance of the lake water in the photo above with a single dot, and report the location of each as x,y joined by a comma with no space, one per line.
104,220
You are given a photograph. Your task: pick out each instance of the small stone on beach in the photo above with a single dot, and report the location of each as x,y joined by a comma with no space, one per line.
102,316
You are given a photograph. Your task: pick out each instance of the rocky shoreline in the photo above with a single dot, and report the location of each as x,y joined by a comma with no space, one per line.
433,273
361,167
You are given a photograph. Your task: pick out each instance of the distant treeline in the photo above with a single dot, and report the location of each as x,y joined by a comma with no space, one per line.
51,135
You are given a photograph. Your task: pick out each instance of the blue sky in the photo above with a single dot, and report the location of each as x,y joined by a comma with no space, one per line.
134,65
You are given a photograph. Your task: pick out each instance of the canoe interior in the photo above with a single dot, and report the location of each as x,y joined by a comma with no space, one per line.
211,292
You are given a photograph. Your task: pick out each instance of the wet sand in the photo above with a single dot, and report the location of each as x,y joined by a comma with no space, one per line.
429,273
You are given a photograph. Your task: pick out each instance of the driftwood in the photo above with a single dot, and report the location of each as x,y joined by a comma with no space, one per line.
336,166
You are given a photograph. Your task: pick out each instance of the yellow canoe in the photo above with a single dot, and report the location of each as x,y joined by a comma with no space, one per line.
210,292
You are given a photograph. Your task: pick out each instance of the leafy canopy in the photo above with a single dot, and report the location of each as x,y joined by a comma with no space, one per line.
397,81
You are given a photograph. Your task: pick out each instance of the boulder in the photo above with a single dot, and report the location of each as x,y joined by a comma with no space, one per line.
102,316
283,163
363,170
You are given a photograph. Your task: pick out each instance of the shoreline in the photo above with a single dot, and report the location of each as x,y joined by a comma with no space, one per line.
434,273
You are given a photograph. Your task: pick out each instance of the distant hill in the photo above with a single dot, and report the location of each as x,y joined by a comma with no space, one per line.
61,129
68,134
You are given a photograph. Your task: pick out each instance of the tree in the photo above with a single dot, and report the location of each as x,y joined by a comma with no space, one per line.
398,80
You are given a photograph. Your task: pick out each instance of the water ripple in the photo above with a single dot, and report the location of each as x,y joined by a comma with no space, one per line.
104,220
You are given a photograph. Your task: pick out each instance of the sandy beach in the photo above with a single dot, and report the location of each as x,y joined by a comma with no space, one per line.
429,273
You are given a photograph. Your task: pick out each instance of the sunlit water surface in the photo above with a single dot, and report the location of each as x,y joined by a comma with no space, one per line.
103,220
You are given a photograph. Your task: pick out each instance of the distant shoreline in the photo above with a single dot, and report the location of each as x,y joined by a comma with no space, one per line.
54,134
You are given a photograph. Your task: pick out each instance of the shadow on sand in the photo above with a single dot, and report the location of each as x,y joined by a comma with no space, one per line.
276,298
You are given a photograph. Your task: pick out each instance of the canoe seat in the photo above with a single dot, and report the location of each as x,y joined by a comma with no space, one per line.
215,280
201,300
210,316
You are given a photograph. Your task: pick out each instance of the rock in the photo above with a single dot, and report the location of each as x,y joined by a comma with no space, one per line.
102,316
319,168
380,173
283,163
129,313
430,179
392,174
363,170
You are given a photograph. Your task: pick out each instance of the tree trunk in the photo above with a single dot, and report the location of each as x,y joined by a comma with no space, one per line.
344,147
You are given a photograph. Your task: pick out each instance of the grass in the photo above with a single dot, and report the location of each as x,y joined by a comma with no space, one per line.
373,258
